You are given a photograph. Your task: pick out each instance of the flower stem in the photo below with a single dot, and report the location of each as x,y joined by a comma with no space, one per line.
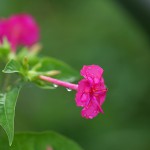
59,82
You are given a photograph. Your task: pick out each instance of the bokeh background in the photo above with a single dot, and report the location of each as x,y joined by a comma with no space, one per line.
114,34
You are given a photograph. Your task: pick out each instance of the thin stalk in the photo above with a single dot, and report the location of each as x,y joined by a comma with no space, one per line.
59,82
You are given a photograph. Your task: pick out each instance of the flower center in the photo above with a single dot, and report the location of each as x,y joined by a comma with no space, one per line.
96,91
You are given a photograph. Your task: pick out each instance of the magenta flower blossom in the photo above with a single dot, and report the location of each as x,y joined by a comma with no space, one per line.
91,91
19,30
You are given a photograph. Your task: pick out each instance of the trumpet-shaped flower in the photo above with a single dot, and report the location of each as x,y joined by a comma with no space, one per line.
91,91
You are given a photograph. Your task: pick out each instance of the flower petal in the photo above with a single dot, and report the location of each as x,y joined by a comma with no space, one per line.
91,111
82,95
92,72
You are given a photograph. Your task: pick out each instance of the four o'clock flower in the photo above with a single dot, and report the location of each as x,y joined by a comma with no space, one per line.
20,30
91,91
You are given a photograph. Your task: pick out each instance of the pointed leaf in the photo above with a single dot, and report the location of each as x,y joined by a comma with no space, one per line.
7,111
12,66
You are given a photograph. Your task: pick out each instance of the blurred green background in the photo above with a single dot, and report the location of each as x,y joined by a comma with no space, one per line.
112,34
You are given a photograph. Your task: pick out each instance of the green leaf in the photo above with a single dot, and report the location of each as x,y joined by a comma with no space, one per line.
12,67
52,67
40,141
7,111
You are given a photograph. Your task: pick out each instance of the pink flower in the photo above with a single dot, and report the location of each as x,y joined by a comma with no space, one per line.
19,30
91,91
